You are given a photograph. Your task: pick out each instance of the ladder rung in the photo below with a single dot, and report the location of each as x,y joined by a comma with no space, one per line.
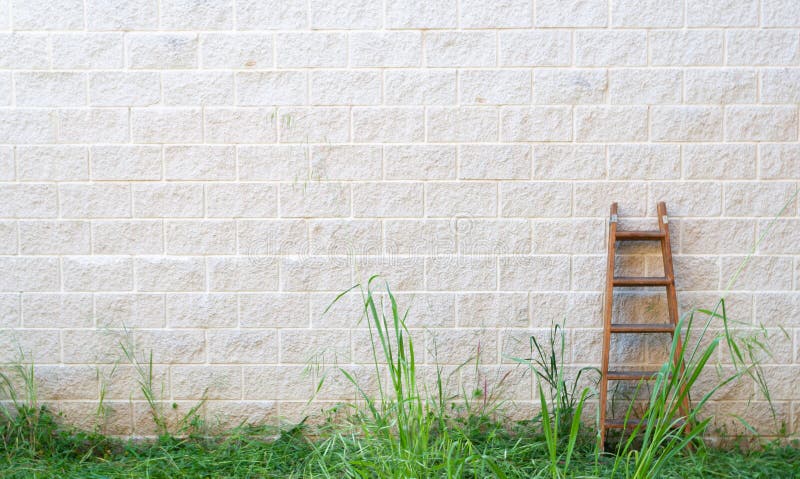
631,423
620,424
639,235
633,281
630,375
642,328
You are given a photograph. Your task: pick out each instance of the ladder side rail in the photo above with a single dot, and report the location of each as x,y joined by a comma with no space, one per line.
607,313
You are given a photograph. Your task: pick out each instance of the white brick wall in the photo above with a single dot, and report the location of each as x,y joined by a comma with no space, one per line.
209,174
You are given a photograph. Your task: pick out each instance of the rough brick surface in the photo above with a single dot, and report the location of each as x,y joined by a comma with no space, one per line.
202,178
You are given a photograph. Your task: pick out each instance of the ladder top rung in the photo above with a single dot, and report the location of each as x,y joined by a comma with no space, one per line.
639,235
642,328
633,281
630,375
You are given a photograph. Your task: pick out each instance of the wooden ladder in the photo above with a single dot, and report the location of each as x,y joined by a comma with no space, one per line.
668,280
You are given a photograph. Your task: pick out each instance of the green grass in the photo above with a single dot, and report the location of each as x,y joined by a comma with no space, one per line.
517,451
405,430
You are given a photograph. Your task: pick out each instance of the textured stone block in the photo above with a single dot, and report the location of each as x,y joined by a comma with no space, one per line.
388,125
534,48
54,237
162,50
647,13
123,310
122,14
534,273
127,237
492,237
243,347
502,162
385,49
761,123
759,199
779,161
346,14
312,50
715,86
317,125
199,237
27,126
124,88
304,345
125,162
178,200
420,237
316,273
201,310
43,163
24,50
539,123
687,199
554,162
50,310
192,15
87,50
594,198
637,86
31,200
387,199
95,200
193,88
686,47
462,124
762,47
571,13
98,273
253,273
722,13
271,14
567,236
239,125
536,199
271,237
242,50
96,125
719,161
154,273
274,310
780,85
47,15
277,163
271,88
314,199
421,14
241,200
610,124
780,13
454,273
460,199
760,273
461,49
686,123
420,87
493,310
50,89
419,162
167,125
170,347
354,237
595,48
200,163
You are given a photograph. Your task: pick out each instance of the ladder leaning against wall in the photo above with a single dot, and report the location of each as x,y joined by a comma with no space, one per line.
667,281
